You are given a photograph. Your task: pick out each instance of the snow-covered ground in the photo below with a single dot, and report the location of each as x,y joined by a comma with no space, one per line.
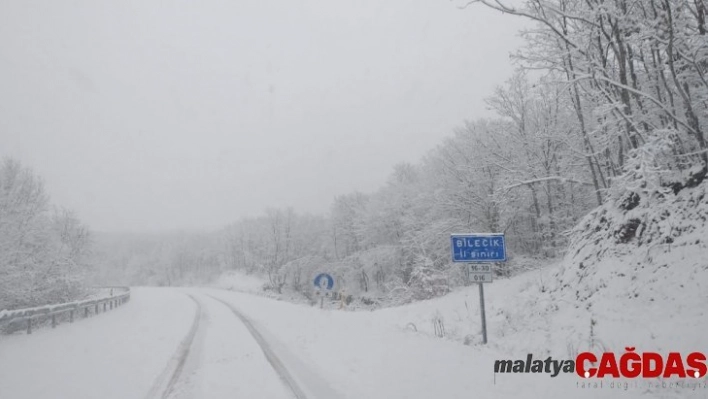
138,351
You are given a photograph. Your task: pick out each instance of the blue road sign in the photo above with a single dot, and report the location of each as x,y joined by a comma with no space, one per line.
324,281
478,247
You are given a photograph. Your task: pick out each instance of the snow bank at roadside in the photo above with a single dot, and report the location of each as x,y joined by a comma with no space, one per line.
638,270
238,281
235,280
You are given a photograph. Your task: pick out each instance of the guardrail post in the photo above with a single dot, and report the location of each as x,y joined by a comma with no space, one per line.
29,325
85,312
54,321
96,312
104,306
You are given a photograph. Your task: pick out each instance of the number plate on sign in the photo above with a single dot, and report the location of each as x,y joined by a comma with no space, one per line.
481,277
480,268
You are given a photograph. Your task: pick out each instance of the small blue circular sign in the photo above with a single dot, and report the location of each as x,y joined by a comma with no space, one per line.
324,281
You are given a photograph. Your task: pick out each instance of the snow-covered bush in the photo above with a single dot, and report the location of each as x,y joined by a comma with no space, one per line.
299,272
427,282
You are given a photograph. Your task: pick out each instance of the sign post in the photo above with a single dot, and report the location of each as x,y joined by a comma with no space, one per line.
481,310
482,248
323,286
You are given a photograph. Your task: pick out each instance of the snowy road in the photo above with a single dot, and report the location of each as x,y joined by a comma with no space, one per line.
165,343
222,356
207,343
126,354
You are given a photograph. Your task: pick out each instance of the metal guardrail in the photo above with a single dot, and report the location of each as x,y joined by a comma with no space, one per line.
12,320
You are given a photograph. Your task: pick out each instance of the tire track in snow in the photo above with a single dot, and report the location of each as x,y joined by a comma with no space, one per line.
274,361
173,370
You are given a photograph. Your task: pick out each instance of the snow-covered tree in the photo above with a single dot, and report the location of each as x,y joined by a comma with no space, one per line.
43,254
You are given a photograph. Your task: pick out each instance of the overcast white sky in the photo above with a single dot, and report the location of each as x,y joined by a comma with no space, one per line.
146,115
